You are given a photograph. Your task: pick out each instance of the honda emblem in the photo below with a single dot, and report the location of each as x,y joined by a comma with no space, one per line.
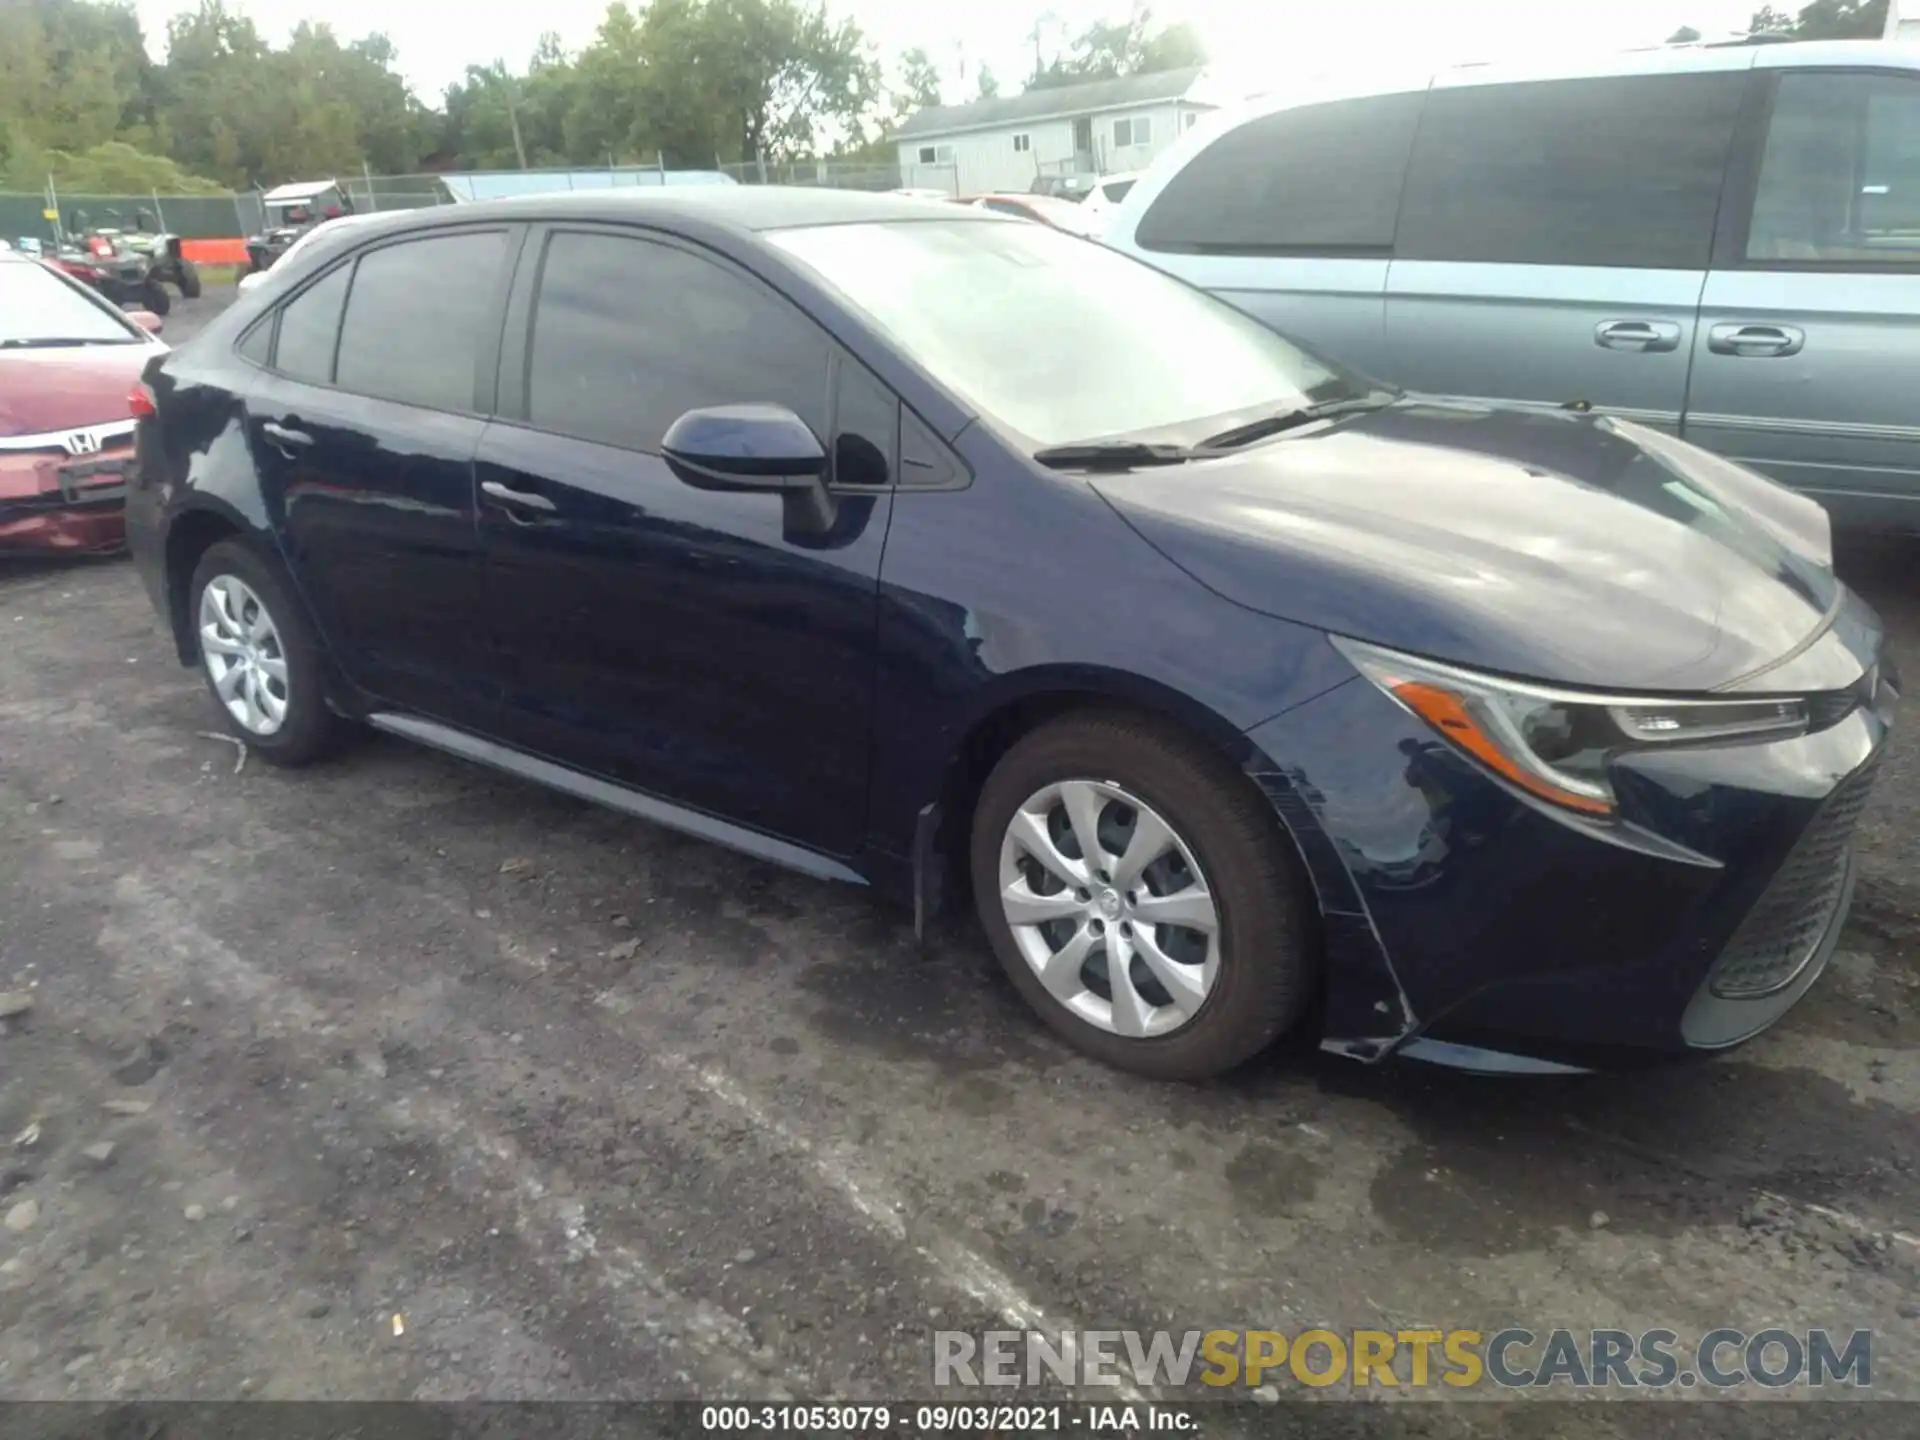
82,442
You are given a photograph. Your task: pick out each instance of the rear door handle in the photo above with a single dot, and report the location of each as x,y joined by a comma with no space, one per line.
1756,341
525,499
284,440
1643,336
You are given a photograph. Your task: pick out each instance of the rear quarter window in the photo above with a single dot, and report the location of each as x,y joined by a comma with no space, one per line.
1315,178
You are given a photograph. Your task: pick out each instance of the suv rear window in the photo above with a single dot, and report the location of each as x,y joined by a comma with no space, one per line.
1624,171
1316,178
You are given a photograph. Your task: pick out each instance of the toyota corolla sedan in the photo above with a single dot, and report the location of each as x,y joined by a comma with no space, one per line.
68,360
1237,692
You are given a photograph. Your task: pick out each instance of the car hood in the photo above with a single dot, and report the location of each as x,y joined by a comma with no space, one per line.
1569,548
46,390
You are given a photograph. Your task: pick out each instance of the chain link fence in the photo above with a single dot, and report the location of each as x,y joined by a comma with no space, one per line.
192,217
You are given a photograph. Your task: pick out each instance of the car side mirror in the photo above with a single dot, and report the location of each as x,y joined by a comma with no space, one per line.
754,448
147,321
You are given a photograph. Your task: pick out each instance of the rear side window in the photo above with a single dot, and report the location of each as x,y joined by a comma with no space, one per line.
309,326
1624,171
414,319
629,335
1840,177
1317,178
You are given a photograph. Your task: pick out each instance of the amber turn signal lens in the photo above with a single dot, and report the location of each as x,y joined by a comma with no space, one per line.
1450,716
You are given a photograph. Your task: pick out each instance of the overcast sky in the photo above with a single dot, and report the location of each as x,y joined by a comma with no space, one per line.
437,39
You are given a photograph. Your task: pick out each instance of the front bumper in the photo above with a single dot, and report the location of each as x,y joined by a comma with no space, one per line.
1471,927
56,504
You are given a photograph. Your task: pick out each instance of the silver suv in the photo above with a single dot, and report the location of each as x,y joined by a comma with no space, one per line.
1723,241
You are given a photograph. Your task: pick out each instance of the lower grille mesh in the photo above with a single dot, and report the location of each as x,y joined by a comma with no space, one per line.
1782,930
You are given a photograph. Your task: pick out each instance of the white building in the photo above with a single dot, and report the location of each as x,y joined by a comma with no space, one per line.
1903,29
1006,143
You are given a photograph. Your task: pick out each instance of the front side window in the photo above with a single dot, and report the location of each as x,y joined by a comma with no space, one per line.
1057,339
628,335
414,319
1315,178
1620,172
310,328
1840,176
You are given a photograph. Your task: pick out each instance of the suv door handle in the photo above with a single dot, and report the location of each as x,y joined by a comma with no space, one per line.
507,495
1644,336
285,440
1756,341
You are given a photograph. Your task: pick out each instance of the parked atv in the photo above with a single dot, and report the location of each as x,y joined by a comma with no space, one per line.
168,264
293,210
121,275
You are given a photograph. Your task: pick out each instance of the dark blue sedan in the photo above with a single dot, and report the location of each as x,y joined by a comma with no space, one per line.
928,550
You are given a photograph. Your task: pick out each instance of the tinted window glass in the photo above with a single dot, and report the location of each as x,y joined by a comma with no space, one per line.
1319,177
866,421
309,326
414,319
1622,172
629,335
257,344
1840,180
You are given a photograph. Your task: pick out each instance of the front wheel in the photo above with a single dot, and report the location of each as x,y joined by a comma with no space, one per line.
189,279
1140,895
261,659
154,297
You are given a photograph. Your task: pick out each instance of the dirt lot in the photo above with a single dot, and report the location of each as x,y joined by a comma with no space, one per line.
597,1111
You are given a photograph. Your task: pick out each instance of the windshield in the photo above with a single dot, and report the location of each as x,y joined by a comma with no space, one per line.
1058,338
37,307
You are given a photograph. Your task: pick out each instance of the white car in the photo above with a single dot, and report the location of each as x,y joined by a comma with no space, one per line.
1107,193
255,279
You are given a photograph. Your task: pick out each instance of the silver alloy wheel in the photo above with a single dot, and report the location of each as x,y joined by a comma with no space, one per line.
243,654
1109,906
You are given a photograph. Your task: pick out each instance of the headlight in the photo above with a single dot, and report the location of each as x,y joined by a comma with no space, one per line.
1556,744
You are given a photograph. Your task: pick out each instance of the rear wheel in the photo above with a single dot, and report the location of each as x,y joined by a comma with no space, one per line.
1140,896
154,297
189,277
261,659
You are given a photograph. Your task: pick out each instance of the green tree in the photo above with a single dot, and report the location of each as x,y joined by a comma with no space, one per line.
1106,50
989,84
1826,20
1685,35
919,87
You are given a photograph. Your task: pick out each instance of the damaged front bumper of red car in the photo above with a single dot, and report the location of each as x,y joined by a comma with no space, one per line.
55,502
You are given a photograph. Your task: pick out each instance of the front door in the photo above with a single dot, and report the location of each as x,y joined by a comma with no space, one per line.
364,429
1554,237
1807,363
687,643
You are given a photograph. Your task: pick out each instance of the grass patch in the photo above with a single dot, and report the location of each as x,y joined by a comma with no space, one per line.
219,274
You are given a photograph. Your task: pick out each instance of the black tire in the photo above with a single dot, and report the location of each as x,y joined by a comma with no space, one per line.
154,297
189,279
1267,963
310,730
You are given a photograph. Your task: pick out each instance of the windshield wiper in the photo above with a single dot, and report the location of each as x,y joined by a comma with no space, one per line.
1112,455
1284,420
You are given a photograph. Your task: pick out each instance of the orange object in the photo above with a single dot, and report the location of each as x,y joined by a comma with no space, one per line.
214,252
1452,719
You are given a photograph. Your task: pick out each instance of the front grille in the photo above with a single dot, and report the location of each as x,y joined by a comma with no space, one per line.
1786,926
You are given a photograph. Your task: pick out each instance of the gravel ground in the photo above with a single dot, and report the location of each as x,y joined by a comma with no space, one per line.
420,1082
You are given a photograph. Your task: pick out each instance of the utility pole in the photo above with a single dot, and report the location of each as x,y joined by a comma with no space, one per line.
1040,24
513,113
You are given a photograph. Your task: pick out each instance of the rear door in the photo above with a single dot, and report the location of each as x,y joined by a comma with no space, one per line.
1807,364
1290,217
1554,237
364,428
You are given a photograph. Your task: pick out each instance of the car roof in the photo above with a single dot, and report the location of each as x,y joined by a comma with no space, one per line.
299,190
744,209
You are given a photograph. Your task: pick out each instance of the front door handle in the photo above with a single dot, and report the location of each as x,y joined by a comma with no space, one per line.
1643,336
284,440
1756,341
525,499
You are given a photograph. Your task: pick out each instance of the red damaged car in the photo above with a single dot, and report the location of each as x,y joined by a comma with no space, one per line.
68,363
